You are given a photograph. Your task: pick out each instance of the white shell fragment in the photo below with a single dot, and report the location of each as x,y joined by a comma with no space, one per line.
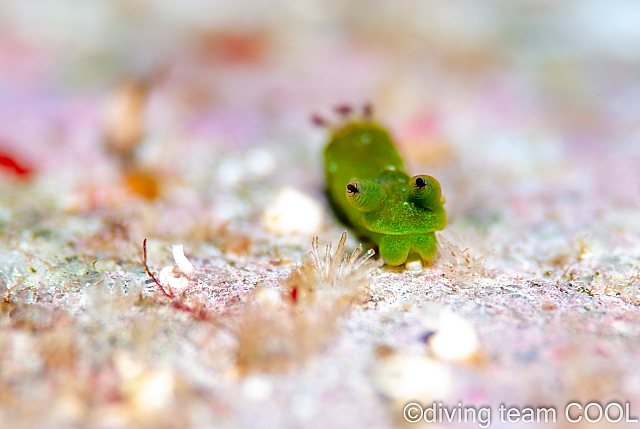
181,261
148,390
455,338
268,298
413,266
257,388
408,377
154,391
173,278
230,173
292,212
260,162
177,276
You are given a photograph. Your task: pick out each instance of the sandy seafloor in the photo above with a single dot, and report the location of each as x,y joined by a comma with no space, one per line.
527,113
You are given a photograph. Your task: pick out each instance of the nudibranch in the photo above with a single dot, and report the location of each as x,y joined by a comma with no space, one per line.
371,193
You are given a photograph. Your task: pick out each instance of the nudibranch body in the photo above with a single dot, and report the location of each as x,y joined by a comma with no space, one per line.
370,191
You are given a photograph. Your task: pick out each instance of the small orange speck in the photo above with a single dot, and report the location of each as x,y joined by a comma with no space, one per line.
143,183
384,351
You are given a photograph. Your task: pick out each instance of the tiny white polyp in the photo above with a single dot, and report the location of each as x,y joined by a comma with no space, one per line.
181,261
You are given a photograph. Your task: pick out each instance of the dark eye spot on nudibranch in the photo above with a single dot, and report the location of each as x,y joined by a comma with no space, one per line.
352,188
420,183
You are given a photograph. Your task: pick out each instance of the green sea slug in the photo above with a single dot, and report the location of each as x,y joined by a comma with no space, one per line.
371,193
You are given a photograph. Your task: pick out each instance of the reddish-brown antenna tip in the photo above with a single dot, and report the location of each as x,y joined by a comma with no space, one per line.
343,109
367,110
318,120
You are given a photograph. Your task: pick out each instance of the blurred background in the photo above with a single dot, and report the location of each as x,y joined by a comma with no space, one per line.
514,88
